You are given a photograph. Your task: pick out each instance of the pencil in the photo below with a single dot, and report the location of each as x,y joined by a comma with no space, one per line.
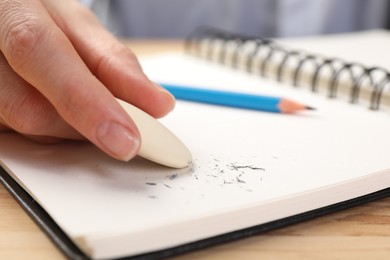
235,99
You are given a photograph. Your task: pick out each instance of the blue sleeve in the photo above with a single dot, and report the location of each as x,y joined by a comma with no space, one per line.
87,2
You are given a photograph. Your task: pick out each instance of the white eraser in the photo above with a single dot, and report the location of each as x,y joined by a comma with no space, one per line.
158,143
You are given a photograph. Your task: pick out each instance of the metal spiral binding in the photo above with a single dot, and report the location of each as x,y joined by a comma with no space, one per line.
378,78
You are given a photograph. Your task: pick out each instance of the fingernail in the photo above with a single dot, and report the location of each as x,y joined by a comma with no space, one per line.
120,141
162,89
171,98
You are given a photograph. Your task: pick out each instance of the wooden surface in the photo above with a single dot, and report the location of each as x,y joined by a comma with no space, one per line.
359,233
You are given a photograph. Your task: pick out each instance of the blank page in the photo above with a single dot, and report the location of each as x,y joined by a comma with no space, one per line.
249,167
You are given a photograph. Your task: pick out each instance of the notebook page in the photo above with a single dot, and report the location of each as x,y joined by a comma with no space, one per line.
242,159
367,47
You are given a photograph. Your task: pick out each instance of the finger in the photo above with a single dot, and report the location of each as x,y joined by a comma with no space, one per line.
25,110
113,63
44,139
39,52
3,127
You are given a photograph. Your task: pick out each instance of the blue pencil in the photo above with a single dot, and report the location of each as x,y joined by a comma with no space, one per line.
235,99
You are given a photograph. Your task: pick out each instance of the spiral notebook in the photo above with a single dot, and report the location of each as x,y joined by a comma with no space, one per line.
252,171
354,66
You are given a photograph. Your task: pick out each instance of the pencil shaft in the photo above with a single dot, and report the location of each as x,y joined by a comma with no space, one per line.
225,98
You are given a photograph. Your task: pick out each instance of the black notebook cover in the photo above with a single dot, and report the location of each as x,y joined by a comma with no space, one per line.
71,251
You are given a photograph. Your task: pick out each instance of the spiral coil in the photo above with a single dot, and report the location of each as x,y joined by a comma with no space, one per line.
258,55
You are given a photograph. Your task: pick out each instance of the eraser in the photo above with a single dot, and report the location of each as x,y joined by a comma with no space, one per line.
158,143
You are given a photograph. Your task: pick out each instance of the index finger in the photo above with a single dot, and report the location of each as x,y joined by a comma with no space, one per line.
40,52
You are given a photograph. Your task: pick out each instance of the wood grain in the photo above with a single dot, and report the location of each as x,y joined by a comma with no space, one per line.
359,233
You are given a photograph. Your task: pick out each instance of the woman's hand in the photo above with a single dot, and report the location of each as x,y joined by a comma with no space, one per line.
59,73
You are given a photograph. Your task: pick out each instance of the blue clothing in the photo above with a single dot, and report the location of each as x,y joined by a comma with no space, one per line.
266,18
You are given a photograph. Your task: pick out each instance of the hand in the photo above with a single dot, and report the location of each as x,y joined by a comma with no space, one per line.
59,73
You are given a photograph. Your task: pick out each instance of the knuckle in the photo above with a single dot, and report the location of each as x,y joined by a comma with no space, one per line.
29,116
21,38
73,99
107,61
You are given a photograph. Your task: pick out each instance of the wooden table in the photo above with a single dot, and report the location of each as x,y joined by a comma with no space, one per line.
359,233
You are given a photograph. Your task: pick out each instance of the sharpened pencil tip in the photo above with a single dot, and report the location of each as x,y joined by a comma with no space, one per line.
289,106
310,108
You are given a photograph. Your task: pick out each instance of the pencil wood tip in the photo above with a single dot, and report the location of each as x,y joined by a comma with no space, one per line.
289,106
